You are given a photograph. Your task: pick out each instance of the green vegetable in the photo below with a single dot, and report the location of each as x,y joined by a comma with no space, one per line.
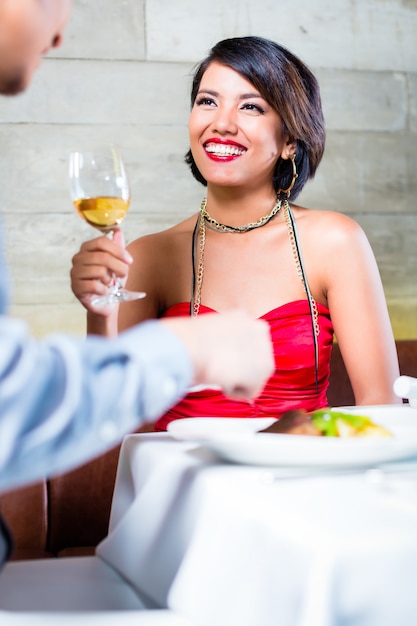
326,420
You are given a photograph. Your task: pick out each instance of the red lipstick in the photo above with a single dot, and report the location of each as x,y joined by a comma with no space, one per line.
223,150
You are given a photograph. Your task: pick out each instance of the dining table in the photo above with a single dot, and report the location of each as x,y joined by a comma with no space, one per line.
228,543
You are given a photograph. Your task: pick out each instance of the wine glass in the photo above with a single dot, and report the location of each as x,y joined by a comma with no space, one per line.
100,193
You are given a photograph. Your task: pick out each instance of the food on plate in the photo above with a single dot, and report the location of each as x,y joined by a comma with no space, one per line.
328,423
296,422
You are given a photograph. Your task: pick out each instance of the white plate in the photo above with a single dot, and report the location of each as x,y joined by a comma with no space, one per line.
295,450
198,388
207,428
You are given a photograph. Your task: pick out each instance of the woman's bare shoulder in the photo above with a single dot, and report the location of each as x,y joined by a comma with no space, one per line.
329,228
163,240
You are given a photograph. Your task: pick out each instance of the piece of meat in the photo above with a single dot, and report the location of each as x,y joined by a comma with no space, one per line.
295,422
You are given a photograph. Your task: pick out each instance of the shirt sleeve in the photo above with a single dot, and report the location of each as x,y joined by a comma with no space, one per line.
64,400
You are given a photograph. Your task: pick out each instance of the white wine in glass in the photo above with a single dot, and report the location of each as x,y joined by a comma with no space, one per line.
101,196
104,213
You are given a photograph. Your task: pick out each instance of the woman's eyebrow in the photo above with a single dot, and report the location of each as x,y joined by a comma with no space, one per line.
248,96
208,91
243,96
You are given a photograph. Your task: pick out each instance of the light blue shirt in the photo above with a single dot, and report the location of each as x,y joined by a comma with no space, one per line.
64,400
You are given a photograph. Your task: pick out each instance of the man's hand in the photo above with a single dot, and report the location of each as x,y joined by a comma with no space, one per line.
230,350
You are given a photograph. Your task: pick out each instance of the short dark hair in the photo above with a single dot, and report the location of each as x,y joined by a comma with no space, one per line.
289,87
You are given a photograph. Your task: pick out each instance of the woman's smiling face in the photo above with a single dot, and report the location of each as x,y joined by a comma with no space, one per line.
236,137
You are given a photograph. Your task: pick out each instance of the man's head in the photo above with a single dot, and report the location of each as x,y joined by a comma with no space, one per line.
28,29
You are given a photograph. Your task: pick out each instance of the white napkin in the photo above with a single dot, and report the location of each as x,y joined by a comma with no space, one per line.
406,387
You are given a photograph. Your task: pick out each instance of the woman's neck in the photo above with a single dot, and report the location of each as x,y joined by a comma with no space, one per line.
236,207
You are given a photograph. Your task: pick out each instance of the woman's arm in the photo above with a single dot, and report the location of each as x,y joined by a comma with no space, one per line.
161,267
144,275
359,312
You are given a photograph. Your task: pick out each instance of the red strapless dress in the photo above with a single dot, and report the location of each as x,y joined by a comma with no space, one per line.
293,384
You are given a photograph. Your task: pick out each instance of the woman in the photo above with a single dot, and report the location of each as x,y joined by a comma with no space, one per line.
256,136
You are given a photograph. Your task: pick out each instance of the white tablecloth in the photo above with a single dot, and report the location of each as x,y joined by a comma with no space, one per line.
75,591
229,545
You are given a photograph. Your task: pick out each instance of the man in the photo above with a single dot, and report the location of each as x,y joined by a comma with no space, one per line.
64,400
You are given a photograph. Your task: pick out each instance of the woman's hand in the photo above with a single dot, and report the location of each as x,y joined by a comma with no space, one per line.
94,268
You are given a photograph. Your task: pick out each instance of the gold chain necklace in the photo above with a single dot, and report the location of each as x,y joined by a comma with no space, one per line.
298,266
201,231
196,292
224,228
204,217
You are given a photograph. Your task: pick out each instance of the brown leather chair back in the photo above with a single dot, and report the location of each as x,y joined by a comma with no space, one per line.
340,390
26,513
79,506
